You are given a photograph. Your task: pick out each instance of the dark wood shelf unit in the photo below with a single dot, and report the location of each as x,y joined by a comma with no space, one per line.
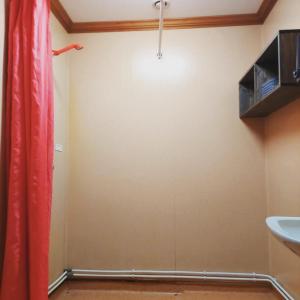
270,84
247,91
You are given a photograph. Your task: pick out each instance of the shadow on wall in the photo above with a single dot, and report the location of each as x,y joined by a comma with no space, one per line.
256,126
290,115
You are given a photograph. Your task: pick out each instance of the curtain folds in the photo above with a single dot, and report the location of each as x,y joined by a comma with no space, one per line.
27,151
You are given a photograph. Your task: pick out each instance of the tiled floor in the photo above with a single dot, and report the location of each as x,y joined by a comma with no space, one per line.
82,290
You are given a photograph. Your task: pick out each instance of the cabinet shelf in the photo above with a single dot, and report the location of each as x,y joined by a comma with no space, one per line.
269,84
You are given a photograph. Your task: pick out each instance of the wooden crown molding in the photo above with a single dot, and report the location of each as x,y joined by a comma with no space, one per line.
198,22
265,9
62,16
180,23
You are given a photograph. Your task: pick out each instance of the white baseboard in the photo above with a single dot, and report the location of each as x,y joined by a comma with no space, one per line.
58,282
180,275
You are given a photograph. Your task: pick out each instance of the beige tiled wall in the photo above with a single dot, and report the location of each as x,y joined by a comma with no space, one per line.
283,157
283,165
61,159
164,174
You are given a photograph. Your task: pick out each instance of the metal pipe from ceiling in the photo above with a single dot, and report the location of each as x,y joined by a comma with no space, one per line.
161,27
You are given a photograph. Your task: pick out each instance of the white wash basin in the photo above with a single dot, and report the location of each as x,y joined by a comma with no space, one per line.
287,230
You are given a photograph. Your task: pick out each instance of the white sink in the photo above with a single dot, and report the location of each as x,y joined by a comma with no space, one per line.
287,230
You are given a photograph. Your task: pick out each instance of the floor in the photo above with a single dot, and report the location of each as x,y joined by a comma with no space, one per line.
97,290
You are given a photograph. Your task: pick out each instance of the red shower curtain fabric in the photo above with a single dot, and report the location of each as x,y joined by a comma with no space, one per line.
27,151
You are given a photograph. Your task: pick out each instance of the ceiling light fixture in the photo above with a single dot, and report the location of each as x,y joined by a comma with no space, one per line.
161,5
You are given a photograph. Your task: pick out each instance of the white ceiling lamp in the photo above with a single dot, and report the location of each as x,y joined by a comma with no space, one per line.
161,5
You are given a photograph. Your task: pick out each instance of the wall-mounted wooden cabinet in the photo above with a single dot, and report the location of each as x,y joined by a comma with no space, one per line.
270,84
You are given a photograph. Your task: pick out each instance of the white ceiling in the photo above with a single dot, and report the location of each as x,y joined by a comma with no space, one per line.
118,10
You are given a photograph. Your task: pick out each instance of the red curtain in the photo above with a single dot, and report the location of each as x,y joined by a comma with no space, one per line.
27,151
